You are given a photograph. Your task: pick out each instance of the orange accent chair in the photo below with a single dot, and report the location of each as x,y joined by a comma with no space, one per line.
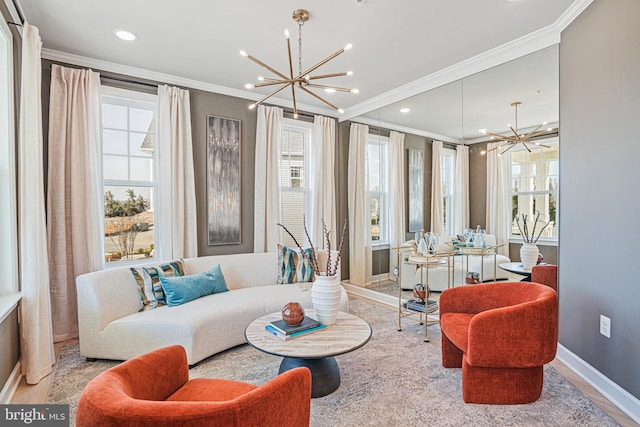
546,275
501,334
154,390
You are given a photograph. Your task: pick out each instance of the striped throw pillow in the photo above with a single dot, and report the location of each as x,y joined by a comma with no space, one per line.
149,287
293,267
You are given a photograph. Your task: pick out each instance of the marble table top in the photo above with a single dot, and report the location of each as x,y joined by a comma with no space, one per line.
347,334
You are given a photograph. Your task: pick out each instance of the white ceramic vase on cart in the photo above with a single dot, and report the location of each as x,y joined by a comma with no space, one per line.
325,296
529,255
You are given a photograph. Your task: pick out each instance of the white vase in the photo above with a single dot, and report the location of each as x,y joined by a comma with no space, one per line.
325,296
529,255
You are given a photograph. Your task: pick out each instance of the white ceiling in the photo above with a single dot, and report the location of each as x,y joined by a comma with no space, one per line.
394,43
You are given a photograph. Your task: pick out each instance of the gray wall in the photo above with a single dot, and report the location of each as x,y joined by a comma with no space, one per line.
599,155
9,346
205,104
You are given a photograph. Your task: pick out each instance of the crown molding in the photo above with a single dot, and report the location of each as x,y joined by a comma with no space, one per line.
162,78
404,129
532,42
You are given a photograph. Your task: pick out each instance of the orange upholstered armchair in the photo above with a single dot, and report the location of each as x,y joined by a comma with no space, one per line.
501,334
154,390
545,274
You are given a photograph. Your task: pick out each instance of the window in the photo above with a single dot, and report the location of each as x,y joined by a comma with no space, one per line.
8,204
128,155
293,186
377,185
534,188
447,178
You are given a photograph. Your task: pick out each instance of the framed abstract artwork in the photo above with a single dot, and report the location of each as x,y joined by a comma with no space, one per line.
416,190
223,181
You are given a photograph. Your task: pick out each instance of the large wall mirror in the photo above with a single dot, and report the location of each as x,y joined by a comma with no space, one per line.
456,113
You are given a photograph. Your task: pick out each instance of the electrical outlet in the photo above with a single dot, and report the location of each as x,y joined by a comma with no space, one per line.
605,326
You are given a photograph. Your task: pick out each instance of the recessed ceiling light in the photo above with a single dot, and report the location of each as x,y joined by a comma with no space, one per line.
405,110
482,130
125,35
330,90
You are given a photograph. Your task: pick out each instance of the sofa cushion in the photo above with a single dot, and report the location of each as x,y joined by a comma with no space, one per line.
149,286
181,289
294,267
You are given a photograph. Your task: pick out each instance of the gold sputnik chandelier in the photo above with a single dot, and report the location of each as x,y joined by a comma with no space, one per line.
304,80
517,137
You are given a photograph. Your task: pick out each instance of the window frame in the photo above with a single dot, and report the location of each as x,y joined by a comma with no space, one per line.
133,99
9,280
448,177
306,128
383,193
544,240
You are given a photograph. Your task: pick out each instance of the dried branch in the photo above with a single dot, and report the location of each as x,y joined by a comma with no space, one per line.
540,234
344,232
314,257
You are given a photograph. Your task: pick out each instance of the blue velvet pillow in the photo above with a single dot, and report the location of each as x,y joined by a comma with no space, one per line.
179,290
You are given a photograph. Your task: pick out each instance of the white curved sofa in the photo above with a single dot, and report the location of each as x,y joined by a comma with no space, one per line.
439,276
111,327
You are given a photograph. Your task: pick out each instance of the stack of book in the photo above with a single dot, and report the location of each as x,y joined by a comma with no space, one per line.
285,332
430,306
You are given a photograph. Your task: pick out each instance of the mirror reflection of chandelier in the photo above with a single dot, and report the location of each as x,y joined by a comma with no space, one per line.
517,138
304,79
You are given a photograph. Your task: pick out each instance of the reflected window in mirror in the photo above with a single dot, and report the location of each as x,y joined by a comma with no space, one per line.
293,183
377,183
447,177
534,188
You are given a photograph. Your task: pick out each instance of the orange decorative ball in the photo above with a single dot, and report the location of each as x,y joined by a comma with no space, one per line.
293,313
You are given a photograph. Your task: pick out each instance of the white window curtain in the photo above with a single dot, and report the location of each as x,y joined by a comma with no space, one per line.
177,232
461,190
359,213
498,194
322,183
437,209
36,335
75,200
396,195
267,210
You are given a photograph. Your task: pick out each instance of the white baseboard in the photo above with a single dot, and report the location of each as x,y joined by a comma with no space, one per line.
624,400
10,387
371,294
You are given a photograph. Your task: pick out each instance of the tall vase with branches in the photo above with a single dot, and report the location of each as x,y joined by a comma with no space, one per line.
529,250
326,291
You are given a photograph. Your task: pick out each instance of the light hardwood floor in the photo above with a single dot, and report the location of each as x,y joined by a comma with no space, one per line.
37,394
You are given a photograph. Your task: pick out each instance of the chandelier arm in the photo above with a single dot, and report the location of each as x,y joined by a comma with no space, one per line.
321,63
525,146
493,149
276,82
543,145
534,134
502,137
293,89
326,76
277,73
271,94
340,89
319,97
509,148
534,131
516,133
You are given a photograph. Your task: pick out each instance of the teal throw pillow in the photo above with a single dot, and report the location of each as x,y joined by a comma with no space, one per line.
179,290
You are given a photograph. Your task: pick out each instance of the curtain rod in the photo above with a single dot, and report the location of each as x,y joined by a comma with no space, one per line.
123,80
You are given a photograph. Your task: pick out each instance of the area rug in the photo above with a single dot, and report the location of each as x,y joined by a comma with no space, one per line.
396,379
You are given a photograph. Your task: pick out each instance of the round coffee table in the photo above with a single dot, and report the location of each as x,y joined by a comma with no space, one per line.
315,350
517,268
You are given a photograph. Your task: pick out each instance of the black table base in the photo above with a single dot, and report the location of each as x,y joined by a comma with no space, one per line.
325,374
